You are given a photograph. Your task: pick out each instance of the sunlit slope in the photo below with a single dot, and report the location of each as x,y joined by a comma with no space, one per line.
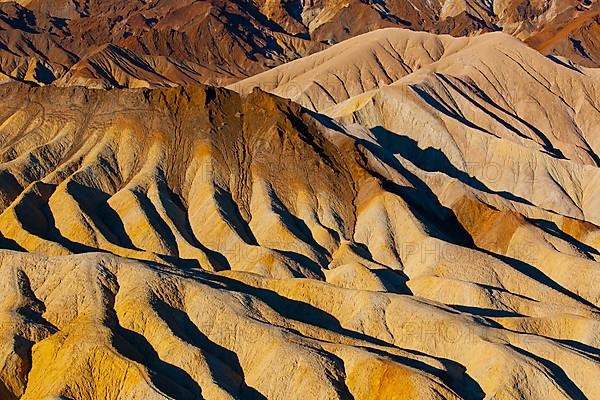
192,242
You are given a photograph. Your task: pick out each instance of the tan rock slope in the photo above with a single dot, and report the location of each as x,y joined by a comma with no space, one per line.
432,233
487,107
117,43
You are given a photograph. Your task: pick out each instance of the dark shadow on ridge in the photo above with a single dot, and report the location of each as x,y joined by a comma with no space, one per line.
298,228
562,63
294,309
455,375
485,312
158,224
580,347
551,228
94,203
223,362
303,261
557,374
547,144
537,275
433,160
169,379
440,221
176,211
9,244
447,110
232,216
395,281
37,218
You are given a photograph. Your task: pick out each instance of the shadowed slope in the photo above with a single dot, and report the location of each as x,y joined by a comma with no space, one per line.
117,43
278,245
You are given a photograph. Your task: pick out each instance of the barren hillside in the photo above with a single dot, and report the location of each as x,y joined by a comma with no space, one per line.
245,242
164,43
411,212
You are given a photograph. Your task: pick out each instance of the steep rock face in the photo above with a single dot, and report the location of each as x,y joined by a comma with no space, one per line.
134,44
194,242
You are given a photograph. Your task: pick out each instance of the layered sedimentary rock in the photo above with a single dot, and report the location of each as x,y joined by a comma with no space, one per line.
488,111
426,226
115,43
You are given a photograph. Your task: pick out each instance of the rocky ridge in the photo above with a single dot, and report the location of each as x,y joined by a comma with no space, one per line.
196,242
116,44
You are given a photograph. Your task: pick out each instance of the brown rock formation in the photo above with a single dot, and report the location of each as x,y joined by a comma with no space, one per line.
254,249
165,43
401,215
